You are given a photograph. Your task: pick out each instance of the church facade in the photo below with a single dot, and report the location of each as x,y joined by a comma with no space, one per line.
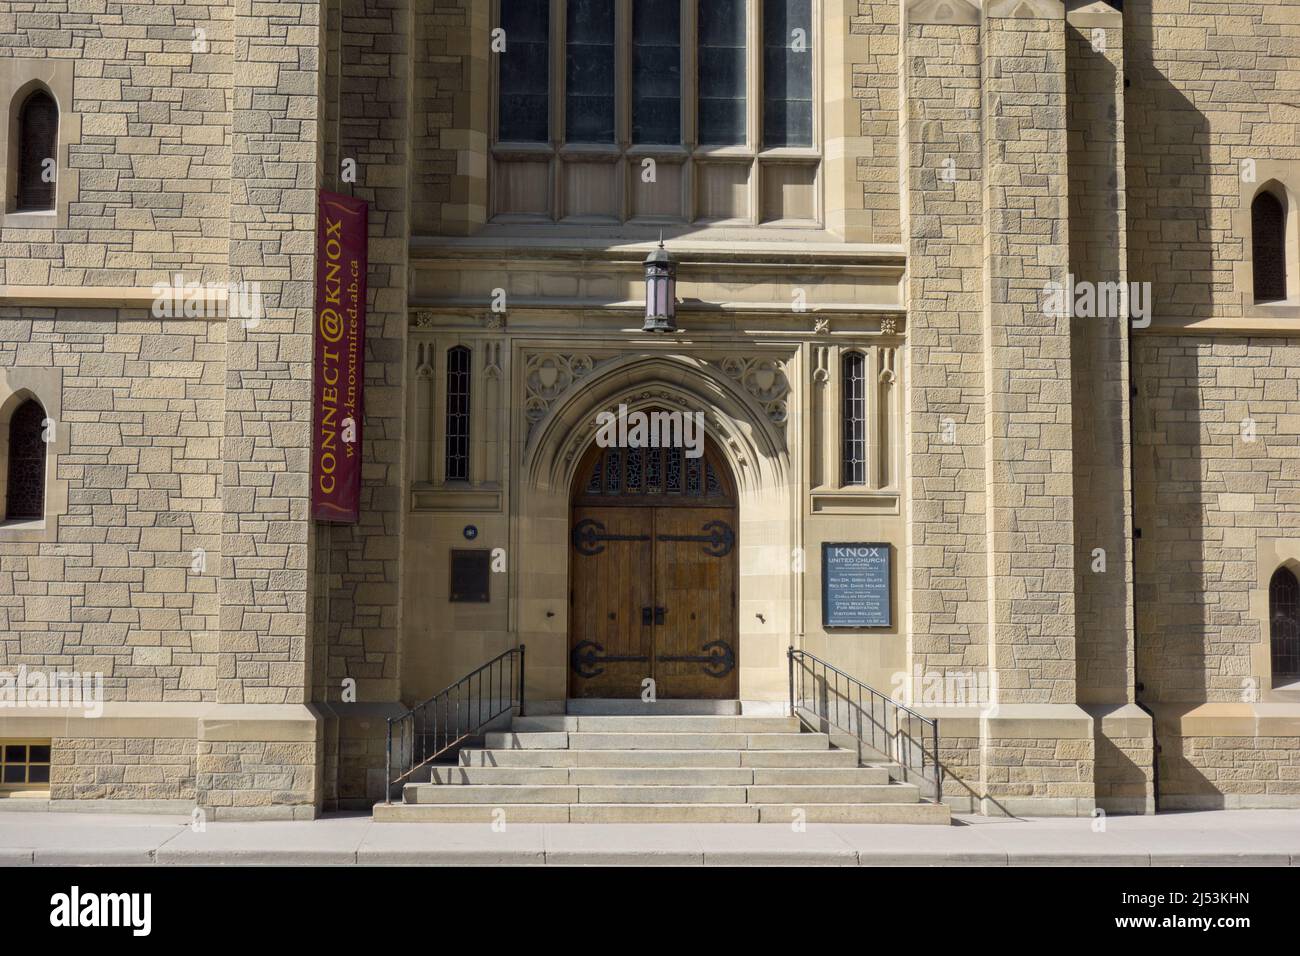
999,297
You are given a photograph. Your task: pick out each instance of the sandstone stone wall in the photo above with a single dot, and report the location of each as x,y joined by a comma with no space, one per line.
1099,365
1056,771
1030,469
117,768
109,586
1207,499
258,779
357,565
266,547
943,217
960,758
1215,425
995,144
1200,772
1216,84
146,186
876,88
449,134
175,554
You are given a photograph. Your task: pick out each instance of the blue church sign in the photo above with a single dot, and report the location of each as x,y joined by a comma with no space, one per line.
855,584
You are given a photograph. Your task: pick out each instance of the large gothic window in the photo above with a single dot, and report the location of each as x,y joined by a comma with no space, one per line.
38,134
853,386
1268,239
25,481
457,454
641,111
1284,626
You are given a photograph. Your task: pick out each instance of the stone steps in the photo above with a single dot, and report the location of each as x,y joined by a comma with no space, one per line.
606,707
559,740
688,765
493,794
658,758
661,776
674,724
917,813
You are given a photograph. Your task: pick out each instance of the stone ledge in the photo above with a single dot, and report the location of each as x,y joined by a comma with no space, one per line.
1245,326
1229,801
109,297
98,805
1013,721
296,811
1120,720
1229,719
1037,806
203,721
260,722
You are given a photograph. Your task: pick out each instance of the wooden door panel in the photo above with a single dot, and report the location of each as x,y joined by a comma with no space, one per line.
611,557
695,584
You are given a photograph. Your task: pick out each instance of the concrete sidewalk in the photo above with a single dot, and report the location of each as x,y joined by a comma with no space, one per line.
1240,837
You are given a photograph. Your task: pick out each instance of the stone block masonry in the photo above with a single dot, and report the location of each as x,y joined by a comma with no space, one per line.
147,136
175,557
116,768
991,462
107,585
966,155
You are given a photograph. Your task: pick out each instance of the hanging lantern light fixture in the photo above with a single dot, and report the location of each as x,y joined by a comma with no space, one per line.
660,291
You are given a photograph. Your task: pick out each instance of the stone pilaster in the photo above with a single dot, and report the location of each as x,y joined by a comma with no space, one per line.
267,537
943,222
1103,521
943,218
1036,744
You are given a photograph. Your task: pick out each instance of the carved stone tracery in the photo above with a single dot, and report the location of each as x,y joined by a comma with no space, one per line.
547,375
765,380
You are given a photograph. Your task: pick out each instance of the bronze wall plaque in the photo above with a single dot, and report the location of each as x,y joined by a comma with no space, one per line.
470,573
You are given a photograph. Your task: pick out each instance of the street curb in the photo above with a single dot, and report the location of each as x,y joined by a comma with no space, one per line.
121,856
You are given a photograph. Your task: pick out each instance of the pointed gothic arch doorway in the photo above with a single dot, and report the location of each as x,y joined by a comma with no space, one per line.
653,574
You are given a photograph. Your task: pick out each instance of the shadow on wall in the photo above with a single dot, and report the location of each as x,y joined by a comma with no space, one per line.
1104,679
1168,168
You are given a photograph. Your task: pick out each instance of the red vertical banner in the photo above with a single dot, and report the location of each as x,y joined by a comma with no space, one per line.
339,359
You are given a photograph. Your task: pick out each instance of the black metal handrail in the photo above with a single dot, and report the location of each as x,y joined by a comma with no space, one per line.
837,699
455,713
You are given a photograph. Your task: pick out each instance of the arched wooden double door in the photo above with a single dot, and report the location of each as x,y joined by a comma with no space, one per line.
652,572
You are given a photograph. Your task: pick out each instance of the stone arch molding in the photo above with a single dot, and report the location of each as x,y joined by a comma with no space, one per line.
741,426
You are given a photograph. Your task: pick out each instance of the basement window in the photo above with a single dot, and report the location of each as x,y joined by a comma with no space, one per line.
24,766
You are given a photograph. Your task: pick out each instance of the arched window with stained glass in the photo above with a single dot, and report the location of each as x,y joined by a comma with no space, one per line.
25,471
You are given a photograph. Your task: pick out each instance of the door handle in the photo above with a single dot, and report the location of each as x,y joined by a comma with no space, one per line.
645,616
660,612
